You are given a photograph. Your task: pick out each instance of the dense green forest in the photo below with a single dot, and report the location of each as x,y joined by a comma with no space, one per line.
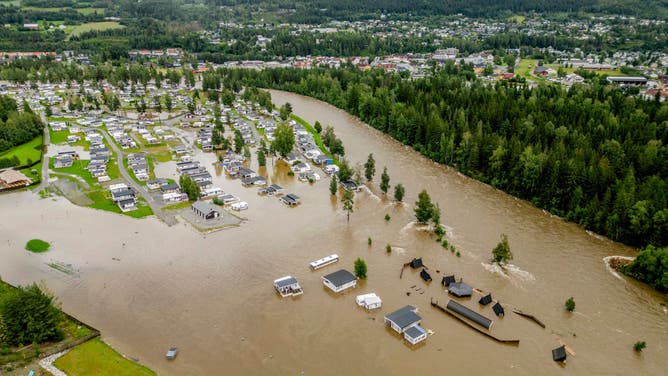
323,10
650,266
590,153
16,127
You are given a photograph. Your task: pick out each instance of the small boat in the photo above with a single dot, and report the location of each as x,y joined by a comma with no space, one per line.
171,353
317,264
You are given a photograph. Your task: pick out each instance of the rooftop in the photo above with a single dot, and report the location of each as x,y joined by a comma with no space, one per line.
340,278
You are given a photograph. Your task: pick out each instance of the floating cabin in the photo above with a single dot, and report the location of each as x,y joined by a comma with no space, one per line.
460,289
317,264
485,300
404,320
498,309
288,286
425,276
469,314
340,280
559,354
369,301
416,263
447,280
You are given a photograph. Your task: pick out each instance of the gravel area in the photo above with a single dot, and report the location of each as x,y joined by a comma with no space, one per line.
47,363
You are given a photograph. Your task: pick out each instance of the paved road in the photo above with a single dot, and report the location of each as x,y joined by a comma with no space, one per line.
157,210
45,158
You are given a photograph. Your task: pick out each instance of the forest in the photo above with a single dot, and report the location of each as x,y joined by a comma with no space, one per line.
16,127
591,154
324,10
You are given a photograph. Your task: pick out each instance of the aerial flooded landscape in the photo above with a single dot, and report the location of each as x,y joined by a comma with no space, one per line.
257,188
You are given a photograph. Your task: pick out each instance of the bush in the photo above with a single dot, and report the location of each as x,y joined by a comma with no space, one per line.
445,243
570,304
639,346
290,173
387,217
369,241
37,246
388,248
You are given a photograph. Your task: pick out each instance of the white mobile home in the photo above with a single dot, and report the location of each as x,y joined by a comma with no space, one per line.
369,301
340,281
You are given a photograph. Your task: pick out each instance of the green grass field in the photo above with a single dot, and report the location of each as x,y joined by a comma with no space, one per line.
102,201
78,169
31,150
97,358
87,11
80,29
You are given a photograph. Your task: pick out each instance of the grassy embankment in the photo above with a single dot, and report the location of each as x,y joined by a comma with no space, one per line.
316,136
97,358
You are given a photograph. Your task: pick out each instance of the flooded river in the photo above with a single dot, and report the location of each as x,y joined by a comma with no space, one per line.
147,286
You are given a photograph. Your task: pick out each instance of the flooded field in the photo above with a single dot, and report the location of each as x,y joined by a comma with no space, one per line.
148,287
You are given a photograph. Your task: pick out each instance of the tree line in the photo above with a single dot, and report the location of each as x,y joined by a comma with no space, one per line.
16,127
591,153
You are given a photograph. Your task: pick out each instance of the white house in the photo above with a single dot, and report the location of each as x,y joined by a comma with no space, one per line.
340,280
369,301
403,318
288,286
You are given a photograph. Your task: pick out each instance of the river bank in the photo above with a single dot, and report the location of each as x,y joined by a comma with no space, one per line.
214,291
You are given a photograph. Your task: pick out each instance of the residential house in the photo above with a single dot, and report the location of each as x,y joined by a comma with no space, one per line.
340,281
403,319
291,199
288,286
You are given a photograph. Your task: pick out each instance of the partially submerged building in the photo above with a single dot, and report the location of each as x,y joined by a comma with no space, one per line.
340,280
288,286
406,320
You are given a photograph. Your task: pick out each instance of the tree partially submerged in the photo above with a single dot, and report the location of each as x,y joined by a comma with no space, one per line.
385,181
360,268
369,168
501,254
399,192
348,201
424,208
284,140
570,304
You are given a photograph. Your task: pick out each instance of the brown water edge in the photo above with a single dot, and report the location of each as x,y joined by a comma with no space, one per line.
212,294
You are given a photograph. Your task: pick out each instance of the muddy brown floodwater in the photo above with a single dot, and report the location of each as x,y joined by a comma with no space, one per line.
147,286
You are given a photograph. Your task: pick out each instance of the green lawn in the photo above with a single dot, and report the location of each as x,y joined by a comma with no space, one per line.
89,26
29,151
102,201
180,205
87,11
37,176
78,169
97,358
58,137
315,134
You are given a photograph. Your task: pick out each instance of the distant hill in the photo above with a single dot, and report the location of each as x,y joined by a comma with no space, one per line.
319,10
